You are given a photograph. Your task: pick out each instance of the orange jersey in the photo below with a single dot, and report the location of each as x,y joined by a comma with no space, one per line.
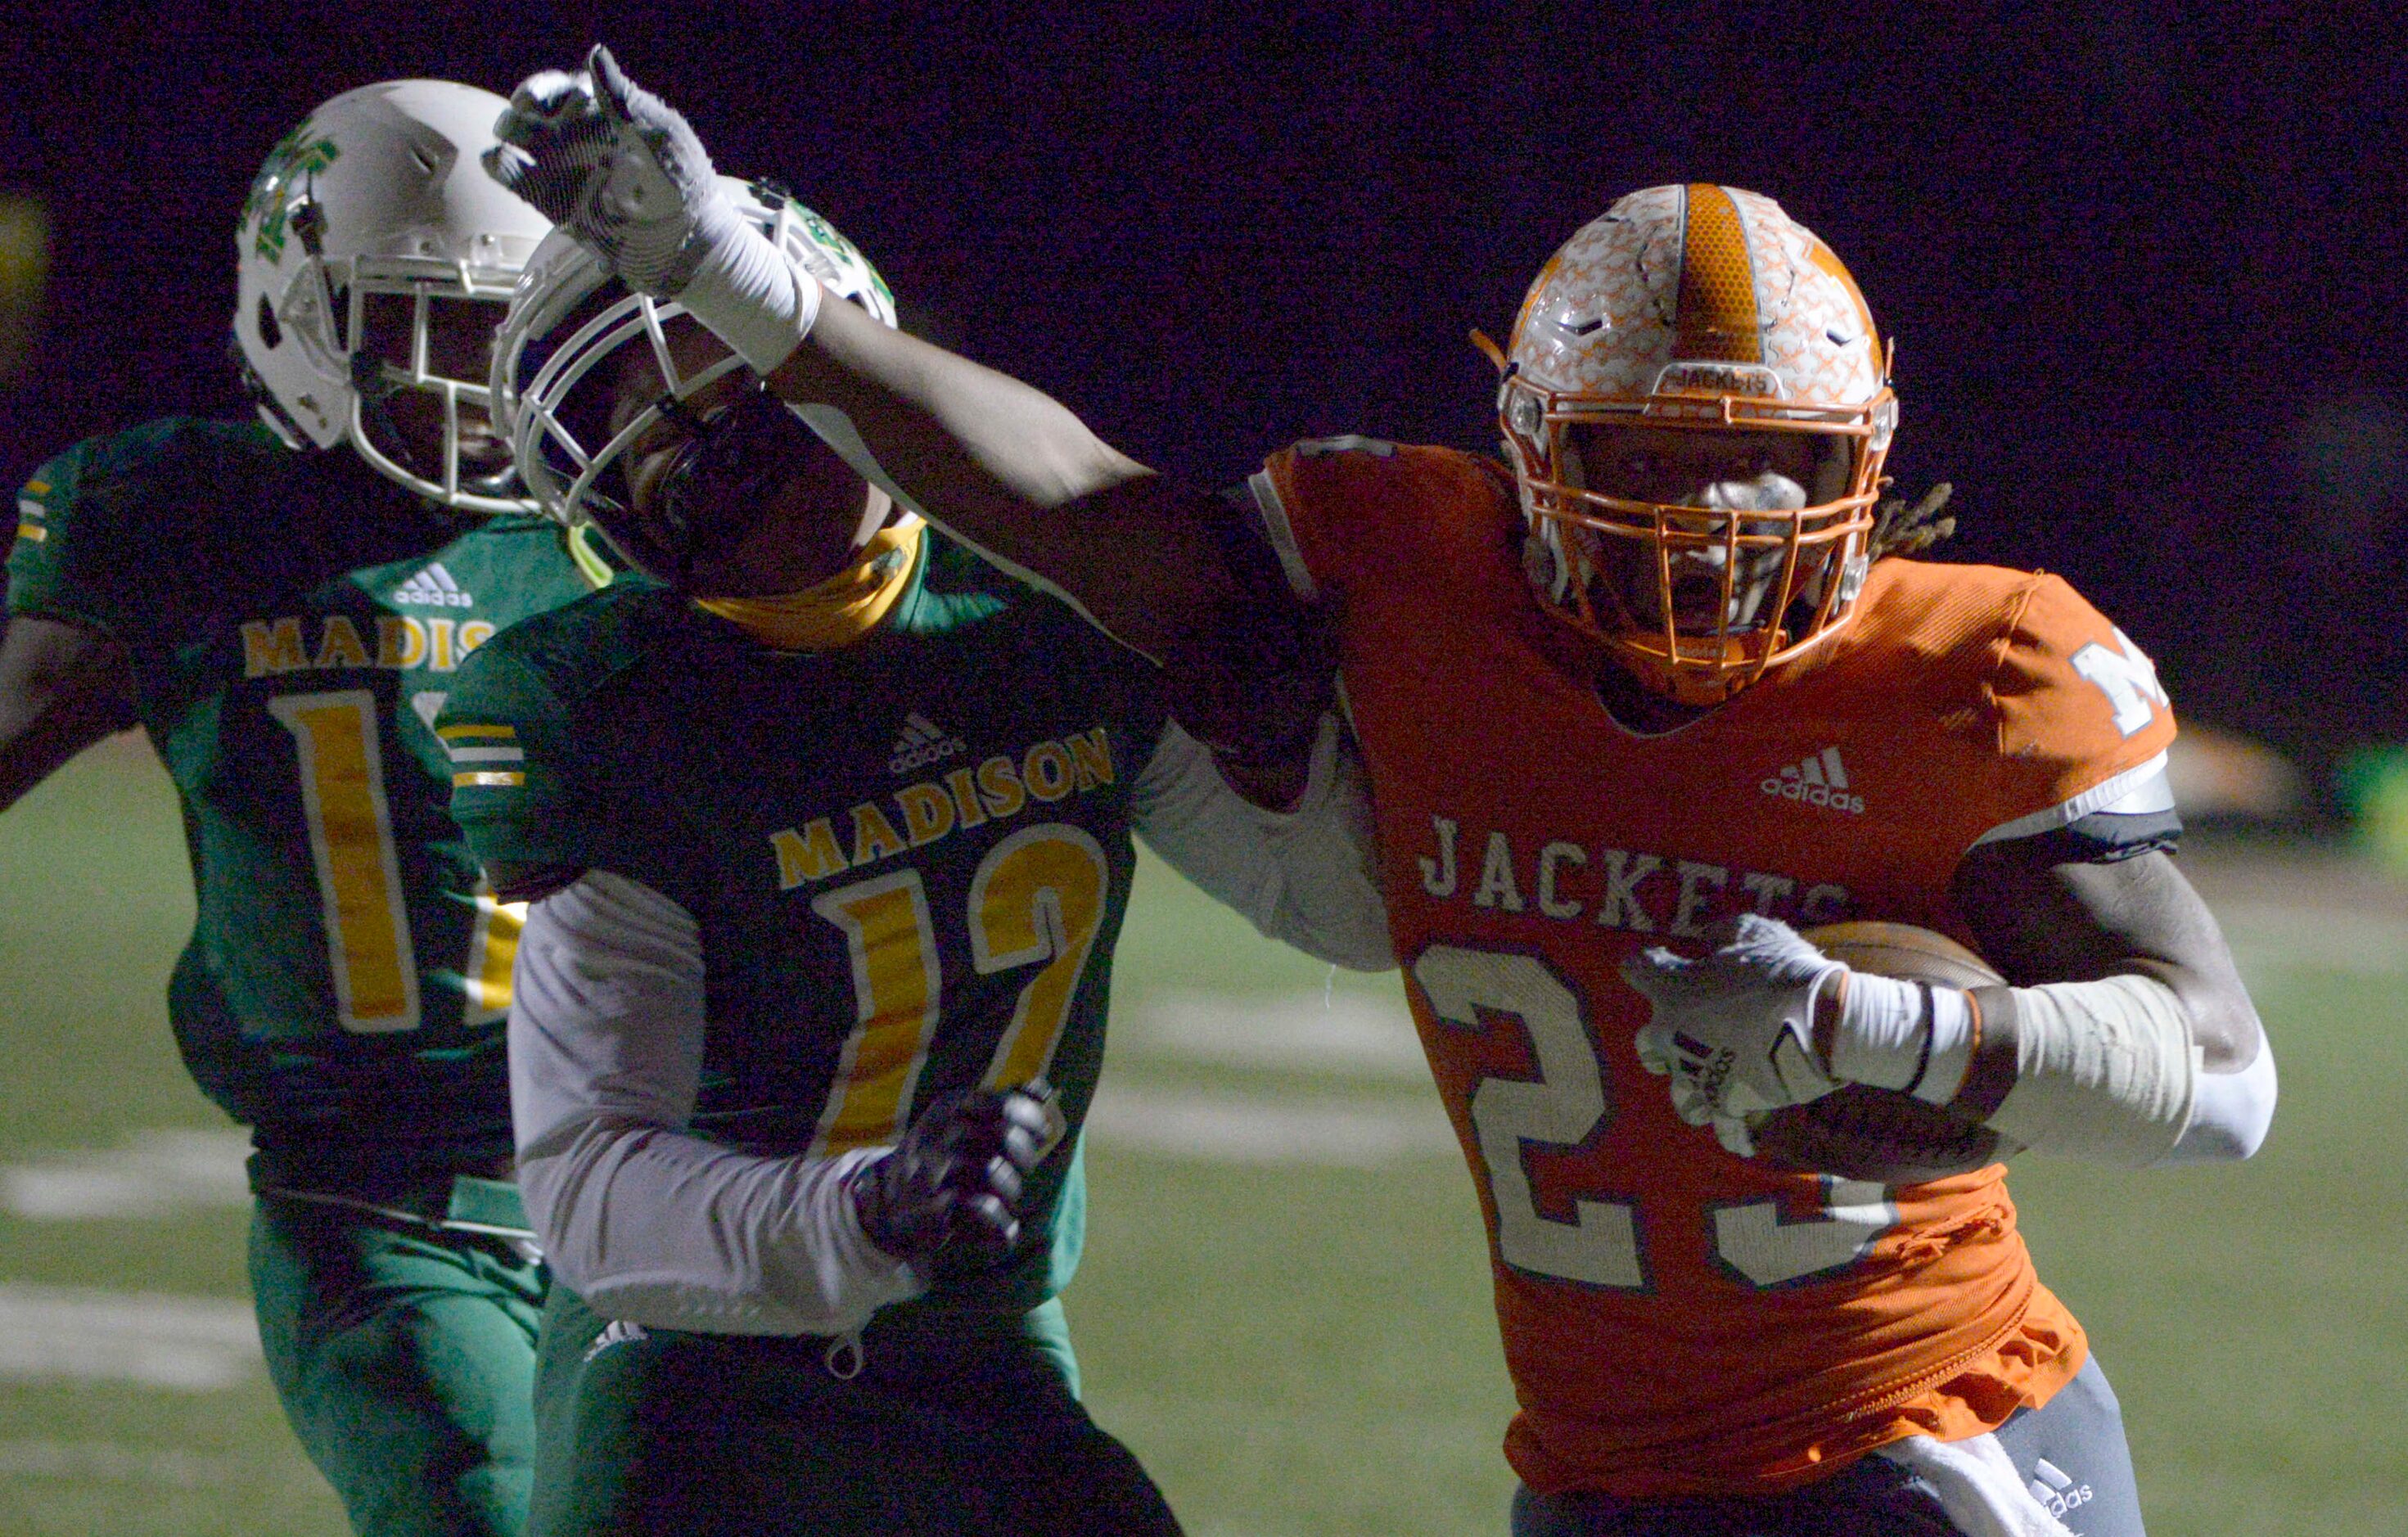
1679,1321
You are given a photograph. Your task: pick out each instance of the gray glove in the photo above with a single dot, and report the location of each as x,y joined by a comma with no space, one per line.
616,166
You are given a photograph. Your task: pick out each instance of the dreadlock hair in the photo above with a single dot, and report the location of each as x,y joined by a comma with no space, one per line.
1902,530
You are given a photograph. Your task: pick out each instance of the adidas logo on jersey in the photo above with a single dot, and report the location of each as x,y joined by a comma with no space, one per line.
432,588
1817,781
922,742
2055,1489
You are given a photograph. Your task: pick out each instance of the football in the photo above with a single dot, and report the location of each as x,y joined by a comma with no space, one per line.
1860,1132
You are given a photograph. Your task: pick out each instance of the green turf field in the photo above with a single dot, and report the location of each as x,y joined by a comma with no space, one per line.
1284,1305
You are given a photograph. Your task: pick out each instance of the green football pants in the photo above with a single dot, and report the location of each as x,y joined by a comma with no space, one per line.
954,1424
406,1363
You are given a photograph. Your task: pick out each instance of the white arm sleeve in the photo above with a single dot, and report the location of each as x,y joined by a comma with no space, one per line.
637,1216
2105,1071
1308,877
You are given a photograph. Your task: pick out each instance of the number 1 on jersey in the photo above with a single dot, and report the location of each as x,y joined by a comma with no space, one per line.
894,987
350,842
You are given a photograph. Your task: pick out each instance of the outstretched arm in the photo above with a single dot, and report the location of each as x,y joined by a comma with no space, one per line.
1174,572
1011,470
995,461
63,687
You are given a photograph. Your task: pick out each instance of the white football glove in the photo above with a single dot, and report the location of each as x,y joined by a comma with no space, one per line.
1690,1103
616,166
1735,1029
623,171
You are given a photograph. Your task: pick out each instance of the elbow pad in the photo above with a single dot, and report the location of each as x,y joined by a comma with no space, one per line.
2232,1114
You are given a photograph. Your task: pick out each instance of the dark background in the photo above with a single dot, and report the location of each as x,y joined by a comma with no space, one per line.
2142,261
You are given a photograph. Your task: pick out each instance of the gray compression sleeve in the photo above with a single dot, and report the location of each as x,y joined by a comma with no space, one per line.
640,1217
1308,877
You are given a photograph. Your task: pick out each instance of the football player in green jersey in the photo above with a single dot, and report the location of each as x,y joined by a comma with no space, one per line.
826,824
281,605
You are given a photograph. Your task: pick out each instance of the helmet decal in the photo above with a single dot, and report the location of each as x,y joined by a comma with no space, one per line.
1716,315
296,155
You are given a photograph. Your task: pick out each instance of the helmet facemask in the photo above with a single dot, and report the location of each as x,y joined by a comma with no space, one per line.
591,375
420,404
1697,596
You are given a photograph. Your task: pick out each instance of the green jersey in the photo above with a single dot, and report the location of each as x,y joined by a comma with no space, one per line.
294,621
908,858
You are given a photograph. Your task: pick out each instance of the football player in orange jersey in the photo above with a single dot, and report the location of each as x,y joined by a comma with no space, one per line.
1631,704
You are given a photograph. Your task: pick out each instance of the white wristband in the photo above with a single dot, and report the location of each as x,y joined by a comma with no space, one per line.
1911,1036
751,298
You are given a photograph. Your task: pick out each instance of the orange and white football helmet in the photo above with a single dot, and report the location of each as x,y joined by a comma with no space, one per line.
1701,309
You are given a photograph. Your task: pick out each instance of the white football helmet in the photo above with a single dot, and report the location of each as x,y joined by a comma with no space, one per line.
1704,308
570,317
378,191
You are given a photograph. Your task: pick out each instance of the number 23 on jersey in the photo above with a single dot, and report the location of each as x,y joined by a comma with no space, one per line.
1604,1242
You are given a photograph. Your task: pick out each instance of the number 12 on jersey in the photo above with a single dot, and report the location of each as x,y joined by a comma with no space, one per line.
1038,898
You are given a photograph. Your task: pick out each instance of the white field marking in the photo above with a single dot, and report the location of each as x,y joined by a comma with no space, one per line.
2267,937
1342,1032
106,1462
190,1345
157,1174
1228,1128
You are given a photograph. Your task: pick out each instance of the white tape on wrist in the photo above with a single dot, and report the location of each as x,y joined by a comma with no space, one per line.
2104,1071
752,298
1911,1036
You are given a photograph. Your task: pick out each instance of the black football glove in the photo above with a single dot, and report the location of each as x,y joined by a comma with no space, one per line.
959,1174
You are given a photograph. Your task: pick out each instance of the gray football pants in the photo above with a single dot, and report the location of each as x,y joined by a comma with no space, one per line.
2071,1453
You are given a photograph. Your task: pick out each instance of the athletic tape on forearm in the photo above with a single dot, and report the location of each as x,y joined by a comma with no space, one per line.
2104,1071
750,296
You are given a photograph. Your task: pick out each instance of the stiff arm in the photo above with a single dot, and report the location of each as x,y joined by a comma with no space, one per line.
1170,572
1179,574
